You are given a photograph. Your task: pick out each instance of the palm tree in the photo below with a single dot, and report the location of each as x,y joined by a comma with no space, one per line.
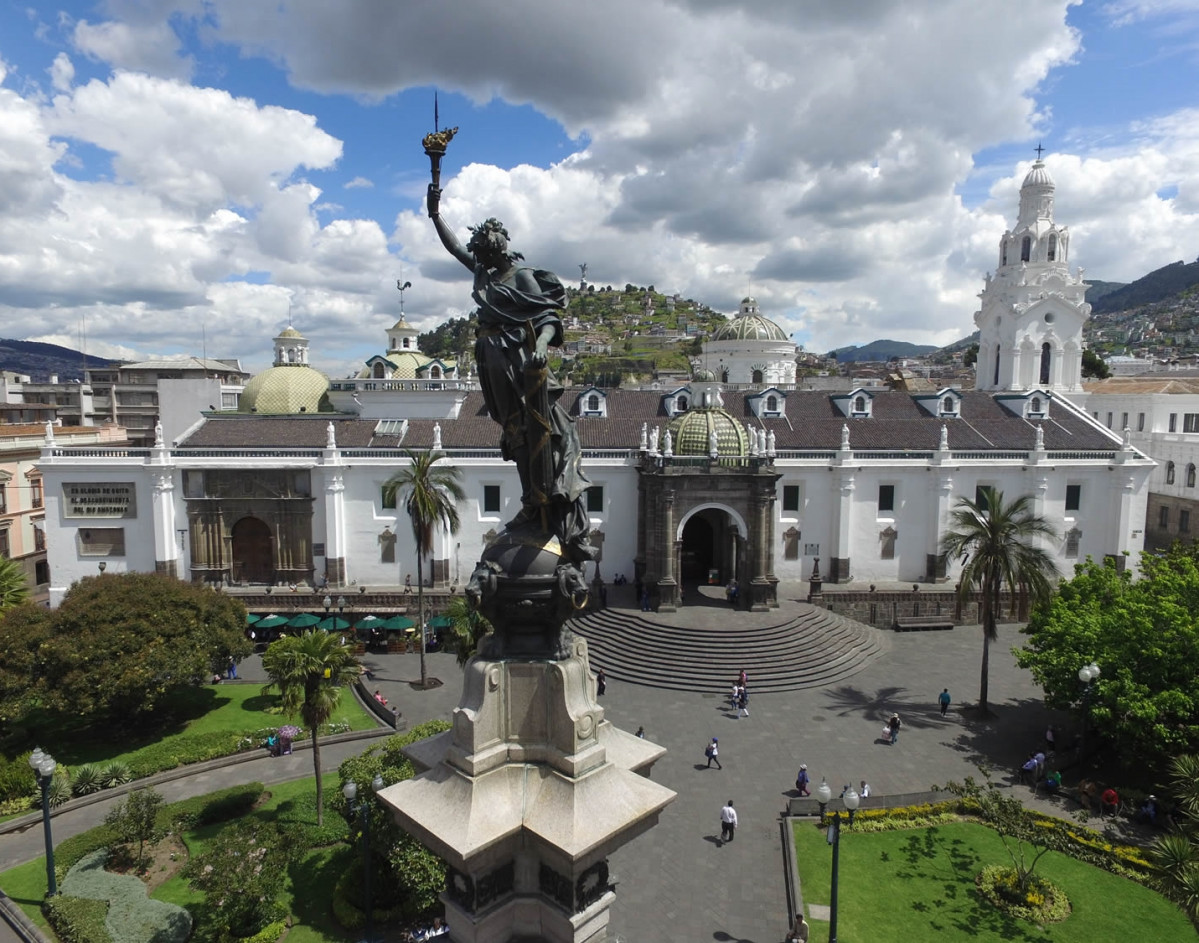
468,626
309,672
996,541
14,587
429,494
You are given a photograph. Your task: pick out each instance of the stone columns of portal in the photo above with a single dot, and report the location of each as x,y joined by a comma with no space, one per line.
335,526
760,586
525,798
668,587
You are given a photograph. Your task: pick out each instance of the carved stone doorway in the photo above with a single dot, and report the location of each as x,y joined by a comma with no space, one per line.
708,553
253,556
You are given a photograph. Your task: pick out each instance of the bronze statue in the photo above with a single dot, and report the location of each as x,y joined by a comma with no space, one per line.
518,321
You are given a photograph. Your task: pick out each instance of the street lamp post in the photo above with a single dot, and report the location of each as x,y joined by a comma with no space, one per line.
327,603
824,793
851,799
43,768
1088,675
362,810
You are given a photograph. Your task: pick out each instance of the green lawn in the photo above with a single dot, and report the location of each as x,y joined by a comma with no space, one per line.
214,708
919,885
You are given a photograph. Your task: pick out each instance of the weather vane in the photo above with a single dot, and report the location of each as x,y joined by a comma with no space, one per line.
401,286
435,143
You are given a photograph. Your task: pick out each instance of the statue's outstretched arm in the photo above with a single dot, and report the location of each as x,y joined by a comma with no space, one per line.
448,239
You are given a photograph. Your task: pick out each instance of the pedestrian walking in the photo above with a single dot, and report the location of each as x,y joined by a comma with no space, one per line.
802,780
601,683
864,790
645,600
742,678
893,726
641,732
743,703
231,669
735,696
712,752
728,822
943,698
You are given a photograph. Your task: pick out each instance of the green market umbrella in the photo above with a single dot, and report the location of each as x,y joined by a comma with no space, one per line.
397,624
368,622
333,624
305,620
271,622
251,618
441,622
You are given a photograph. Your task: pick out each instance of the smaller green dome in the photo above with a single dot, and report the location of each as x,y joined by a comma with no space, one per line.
282,391
704,376
691,432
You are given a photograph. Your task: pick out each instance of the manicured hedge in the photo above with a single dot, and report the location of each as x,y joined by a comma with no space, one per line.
77,919
268,934
133,917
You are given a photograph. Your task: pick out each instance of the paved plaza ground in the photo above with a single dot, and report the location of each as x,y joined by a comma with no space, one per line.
678,883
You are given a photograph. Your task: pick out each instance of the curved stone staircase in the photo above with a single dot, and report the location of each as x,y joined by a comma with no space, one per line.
702,649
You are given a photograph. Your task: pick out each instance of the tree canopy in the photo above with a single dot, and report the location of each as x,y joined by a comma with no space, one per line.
1143,634
119,644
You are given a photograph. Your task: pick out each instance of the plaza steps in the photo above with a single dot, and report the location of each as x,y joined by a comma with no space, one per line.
703,648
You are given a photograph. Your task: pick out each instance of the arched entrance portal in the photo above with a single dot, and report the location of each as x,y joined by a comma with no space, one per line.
253,559
708,551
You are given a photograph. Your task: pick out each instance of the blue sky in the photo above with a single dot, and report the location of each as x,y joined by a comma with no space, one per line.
166,164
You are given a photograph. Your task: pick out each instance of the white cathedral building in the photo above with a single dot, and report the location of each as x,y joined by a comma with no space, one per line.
736,474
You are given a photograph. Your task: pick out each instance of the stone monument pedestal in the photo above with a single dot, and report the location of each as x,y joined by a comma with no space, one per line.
525,799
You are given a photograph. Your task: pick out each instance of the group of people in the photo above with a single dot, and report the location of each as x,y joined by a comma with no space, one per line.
732,592
739,696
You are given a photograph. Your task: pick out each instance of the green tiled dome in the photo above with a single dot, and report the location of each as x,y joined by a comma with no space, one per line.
405,365
281,391
690,432
750,328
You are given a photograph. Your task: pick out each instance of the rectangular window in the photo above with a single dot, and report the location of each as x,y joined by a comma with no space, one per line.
1140,422
980,497
1109,420
1123,420
102,542
595,499
35,487
1073,497
1190,422
1173,422
5,547
791,498
886,498
1184,522
1163,517
491,499
3,498
387,498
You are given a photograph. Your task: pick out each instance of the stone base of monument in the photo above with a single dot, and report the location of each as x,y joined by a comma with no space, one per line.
525,799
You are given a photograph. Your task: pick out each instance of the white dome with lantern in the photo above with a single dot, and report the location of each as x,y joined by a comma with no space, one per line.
751,350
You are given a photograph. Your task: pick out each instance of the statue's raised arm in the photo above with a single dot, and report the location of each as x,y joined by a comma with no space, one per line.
448,239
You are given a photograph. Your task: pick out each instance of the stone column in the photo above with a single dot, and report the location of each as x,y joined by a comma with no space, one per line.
759,588
668,587
842,529
166,545
335,525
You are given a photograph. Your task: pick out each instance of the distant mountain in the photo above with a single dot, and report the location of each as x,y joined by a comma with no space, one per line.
1097,289
40,361
1156,286
881,351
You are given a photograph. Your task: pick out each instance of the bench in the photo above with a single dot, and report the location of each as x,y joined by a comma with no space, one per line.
921,623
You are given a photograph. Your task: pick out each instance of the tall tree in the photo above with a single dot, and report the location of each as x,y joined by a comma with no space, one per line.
996,541
1144,634
429,493
309,672
14,586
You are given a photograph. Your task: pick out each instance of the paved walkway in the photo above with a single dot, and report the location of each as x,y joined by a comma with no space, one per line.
677,882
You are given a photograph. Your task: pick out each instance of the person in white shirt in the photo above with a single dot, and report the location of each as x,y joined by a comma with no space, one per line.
864,790
728,822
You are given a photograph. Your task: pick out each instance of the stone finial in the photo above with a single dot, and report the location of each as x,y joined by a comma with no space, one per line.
844,437
437,436
49,433
667,445
330,436
645,437
159,438
944,446
1127,438
770,443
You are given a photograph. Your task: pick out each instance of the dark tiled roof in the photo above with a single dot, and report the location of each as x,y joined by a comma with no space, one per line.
812,422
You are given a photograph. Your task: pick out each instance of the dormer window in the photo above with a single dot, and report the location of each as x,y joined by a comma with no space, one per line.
772,404
681,404
859,404
435,373
593,402
378,371
1034,405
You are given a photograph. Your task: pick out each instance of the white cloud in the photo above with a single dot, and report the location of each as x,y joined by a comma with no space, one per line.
358,183
152,48
62,72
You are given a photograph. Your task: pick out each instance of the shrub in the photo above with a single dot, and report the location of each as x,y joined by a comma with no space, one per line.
115,773
19,804
268,934
135,820
60,788
216,807
349,907
77,919
242,873
1041,901
86,780
296,819
16,777
132,916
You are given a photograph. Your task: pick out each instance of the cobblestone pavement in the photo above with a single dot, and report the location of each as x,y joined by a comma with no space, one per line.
678,883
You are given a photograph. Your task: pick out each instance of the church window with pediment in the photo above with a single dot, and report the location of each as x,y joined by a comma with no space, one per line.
1191,475
886,540
756,376
1073,537
791,543
378,371
1052,256
1026,249
1035,405
435,373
